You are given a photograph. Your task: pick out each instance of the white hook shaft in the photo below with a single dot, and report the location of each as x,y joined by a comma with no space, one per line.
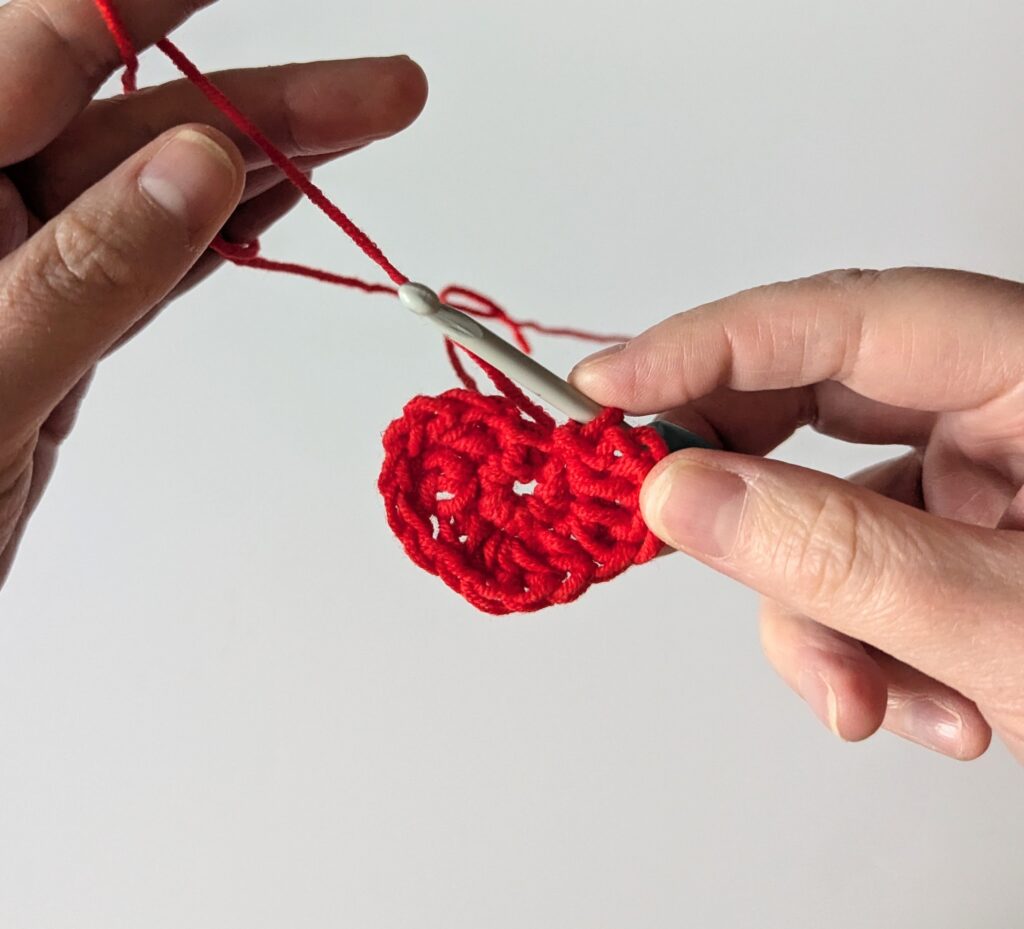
509,360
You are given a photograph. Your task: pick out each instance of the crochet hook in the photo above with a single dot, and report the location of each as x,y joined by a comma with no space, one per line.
520,367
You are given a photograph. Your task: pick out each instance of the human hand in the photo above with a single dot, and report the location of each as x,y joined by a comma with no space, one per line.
895,599
107,207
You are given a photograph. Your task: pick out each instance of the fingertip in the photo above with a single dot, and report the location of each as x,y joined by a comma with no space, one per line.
948,724
840,682
406,91
194,174
693,503
334,105
223,144
975,741
596,374
386,96
854,698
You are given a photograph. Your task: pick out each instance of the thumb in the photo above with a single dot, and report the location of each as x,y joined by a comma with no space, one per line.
940,595
72,289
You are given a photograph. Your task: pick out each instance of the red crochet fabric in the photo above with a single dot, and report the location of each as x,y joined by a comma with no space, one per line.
487,492
510,510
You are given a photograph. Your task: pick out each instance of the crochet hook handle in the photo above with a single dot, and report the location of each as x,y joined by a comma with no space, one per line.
677,438
520,367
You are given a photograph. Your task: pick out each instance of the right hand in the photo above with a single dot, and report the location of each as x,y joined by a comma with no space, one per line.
896,599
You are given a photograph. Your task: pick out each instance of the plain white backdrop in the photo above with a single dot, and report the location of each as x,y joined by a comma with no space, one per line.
227,699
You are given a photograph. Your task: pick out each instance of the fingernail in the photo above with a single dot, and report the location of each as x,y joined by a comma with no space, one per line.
597,357
191,178
695,508
592,363
928,723
821,698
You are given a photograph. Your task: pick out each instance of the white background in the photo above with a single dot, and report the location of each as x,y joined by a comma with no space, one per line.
226,698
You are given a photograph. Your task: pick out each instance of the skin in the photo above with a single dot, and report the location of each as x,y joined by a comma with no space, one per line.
107,207
894,599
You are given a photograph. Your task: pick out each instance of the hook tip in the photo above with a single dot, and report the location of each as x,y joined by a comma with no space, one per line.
419,298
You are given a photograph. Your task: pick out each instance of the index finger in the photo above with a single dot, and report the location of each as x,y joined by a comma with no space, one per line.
917,338
57,53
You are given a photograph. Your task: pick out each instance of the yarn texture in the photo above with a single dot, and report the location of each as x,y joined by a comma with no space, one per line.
486,491
509,509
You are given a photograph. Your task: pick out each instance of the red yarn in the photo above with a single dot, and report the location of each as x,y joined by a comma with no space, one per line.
476,304
313,193
125,48
487,492
510,510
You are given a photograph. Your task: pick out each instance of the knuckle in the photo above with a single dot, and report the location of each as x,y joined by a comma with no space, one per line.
294,131
827,556
92,59
87,260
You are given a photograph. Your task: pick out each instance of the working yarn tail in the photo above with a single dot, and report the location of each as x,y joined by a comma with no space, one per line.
247,254
485,491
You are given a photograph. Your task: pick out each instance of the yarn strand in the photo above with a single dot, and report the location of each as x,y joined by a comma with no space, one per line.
457,467
117,29
287,167
248,254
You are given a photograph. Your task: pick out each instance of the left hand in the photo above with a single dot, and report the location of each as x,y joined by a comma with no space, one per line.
86,258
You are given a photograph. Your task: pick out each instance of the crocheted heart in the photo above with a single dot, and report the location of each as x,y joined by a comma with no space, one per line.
511,510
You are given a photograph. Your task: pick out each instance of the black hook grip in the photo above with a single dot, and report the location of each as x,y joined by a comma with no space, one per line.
677,438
